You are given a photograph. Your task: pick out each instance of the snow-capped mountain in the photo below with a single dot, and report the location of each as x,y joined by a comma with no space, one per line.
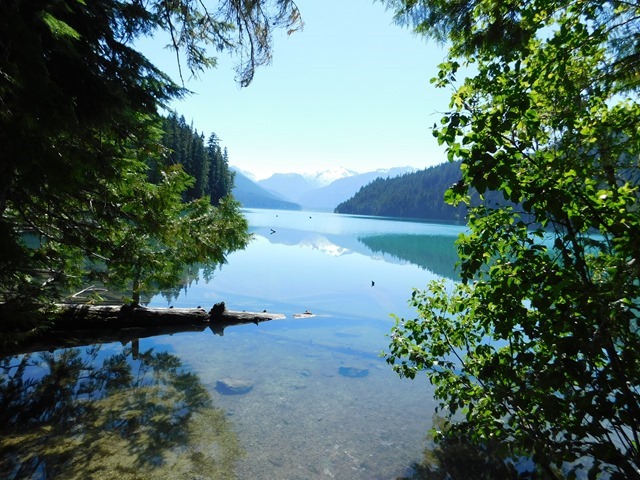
325,177
323,190
329,196
326,189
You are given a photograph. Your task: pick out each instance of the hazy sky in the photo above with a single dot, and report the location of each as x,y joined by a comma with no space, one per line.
350,90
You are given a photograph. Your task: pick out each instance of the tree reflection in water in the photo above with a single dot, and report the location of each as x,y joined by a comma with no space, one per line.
457,457
65,416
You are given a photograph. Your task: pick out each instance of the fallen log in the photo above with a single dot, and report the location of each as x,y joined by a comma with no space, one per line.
74,316
98,316
81,325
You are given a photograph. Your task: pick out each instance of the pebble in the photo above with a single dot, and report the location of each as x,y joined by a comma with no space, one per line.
233,386
353,372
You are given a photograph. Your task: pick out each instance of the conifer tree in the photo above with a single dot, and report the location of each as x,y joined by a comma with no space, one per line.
220,176
79,128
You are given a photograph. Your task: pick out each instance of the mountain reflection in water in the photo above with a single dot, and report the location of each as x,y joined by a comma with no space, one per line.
323,403
77,414
436,253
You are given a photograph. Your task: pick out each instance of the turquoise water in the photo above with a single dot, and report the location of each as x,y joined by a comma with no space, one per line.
320,402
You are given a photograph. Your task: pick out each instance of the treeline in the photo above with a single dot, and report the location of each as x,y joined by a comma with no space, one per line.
87,193
415,195
204,160
412,195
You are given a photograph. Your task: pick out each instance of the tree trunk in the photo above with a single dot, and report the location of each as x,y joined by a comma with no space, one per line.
79,325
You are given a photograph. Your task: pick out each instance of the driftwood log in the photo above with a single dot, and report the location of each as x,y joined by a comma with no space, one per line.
80,325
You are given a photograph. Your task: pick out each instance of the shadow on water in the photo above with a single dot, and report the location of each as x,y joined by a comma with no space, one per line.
457,457
76,415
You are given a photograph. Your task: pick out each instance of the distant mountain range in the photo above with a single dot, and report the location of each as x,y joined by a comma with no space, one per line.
252,195
288,185
331,195
292,191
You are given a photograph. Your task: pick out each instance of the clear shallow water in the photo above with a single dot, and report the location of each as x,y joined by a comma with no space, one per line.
322,403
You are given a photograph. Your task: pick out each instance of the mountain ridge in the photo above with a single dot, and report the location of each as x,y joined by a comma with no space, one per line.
418,194
252,195
320,191
314,194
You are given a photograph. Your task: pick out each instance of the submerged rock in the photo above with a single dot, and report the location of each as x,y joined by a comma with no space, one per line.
233,386
353,372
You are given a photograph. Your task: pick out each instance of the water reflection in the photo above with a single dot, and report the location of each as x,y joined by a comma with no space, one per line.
436,253
73,414
322,403
459,458
301,260
331,244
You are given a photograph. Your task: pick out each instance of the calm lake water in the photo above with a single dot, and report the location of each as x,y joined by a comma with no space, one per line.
316,401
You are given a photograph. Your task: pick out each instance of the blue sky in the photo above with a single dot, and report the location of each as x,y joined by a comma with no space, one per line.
350,90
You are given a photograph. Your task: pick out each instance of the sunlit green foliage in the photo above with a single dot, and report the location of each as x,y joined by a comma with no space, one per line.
539,344
207,163
79,128
158,235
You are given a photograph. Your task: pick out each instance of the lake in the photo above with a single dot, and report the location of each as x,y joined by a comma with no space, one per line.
299,398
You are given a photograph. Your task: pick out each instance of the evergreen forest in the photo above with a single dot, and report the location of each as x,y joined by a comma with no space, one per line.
201,157
95,185
419,195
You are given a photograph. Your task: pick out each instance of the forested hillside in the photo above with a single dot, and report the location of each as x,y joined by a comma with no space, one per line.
205,160
252,195
413,195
